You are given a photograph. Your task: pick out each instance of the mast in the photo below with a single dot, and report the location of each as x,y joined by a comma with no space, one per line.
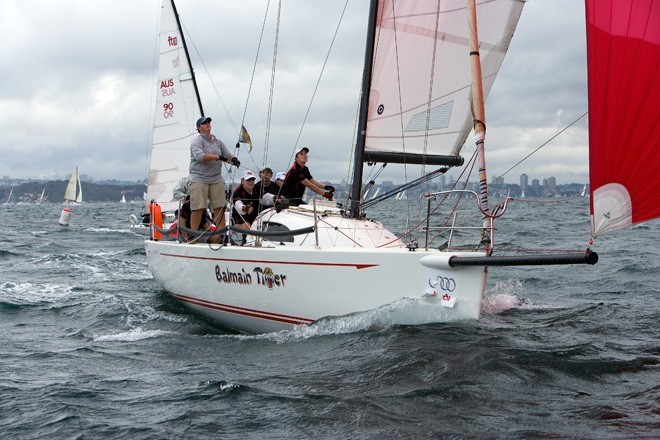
358,158
479,115
185,49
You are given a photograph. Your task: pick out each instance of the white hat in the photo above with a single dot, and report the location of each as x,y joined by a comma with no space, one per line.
247,174
280,176
298,150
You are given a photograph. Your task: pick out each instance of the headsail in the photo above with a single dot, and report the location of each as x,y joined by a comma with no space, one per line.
623,53
70,192
79,196
419,101
177,109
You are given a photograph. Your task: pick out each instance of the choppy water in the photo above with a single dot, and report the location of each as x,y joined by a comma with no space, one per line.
92,348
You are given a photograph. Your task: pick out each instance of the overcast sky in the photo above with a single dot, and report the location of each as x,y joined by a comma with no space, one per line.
78,86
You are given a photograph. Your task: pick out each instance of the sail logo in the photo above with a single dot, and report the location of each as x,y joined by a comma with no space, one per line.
443,283
262,276
172,41
167,88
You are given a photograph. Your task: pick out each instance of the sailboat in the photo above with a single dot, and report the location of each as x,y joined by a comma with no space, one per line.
123,199
73,192
40,200
422,111
178,106
11,191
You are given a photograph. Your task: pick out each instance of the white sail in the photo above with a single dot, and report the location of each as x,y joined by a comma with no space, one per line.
70,192
419,102
11,191
79,196
41,197
176,111
123,199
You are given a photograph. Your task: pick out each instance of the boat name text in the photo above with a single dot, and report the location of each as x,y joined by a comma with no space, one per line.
263,277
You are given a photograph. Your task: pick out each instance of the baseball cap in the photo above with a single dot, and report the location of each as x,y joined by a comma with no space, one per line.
202,120
298,150
281,175
266,169
247,175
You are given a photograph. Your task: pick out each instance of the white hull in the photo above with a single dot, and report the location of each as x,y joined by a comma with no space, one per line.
141,229
275,287
145,229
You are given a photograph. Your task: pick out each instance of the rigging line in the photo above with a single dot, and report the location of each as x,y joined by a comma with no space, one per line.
272,75
249,93
430,85
354,142
427,177
325,62
153,99
403,138
544,144
256,59
215,88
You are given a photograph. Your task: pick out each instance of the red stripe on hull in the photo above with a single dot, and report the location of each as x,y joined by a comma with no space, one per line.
293,320
298,263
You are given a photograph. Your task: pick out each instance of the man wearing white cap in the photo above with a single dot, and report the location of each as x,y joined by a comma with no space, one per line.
279,178
206,183
246,201
298,178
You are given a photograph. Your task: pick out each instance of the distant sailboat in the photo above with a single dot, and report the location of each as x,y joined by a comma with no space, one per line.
9,198
41,197
73,193
123,199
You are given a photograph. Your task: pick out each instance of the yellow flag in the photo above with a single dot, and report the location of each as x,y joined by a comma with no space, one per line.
245,137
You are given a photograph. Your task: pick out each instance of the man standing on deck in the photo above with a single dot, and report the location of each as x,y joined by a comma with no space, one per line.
206,183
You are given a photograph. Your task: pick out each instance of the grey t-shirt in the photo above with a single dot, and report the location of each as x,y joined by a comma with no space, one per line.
210,171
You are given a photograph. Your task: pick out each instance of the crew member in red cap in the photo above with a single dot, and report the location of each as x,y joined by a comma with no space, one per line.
298,178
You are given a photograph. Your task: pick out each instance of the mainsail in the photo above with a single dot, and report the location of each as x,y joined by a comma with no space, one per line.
623,54
419,99
177,109
71,188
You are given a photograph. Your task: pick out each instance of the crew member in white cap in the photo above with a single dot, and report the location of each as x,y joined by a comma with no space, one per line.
245,200
206,183
298,178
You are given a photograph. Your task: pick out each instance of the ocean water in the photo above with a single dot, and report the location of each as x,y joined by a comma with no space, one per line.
93,349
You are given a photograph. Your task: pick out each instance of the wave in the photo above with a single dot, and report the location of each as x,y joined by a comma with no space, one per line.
136,334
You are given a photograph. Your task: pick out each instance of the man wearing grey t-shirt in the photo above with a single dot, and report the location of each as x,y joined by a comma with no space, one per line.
205,174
